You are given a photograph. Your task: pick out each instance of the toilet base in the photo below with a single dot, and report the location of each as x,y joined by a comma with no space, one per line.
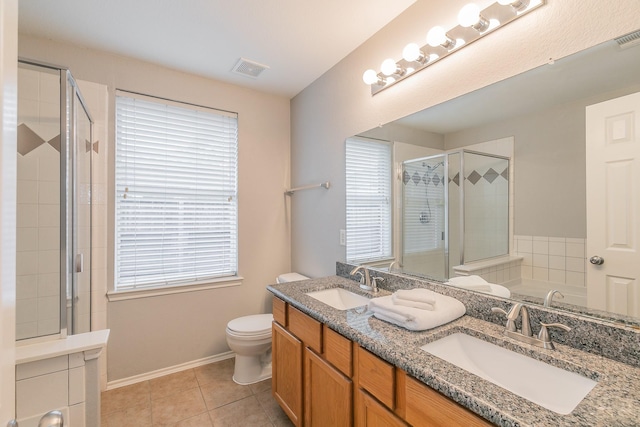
251,369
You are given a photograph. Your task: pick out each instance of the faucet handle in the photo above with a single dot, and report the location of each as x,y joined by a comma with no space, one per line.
543,335
374,282
511,325
498,310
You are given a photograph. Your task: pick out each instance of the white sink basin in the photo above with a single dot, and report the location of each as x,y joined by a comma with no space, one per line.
339,298
548,386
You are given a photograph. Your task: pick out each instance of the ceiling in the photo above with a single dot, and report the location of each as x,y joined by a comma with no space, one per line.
298,39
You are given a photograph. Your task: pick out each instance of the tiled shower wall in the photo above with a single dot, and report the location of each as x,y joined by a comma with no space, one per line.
552,259
38,205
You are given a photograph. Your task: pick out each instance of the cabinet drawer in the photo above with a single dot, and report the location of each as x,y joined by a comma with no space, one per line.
337,351
305,328
279,311
377,377
426,406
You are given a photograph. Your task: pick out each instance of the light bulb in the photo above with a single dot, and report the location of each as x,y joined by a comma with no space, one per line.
436,36
370,77
469,15
411,52
518,5
388,67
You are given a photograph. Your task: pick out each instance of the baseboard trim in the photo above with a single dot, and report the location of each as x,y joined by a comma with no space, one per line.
170,370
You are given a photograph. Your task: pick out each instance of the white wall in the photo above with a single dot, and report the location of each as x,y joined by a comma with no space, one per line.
339,105
155,333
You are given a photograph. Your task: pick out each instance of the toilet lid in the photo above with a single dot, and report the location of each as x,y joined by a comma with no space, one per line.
254,324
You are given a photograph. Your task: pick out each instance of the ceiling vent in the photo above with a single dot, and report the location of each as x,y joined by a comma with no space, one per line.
631,39
249,68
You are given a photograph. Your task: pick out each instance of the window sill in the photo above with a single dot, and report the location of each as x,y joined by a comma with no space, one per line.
176,289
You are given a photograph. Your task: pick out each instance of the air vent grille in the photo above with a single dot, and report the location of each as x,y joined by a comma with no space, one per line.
629,40
249,68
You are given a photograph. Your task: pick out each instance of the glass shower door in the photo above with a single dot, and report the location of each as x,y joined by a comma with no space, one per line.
424,216
82,218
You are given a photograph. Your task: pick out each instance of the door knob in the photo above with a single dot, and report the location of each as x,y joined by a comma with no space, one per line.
596,260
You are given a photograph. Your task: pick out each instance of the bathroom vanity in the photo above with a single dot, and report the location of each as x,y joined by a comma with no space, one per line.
345,367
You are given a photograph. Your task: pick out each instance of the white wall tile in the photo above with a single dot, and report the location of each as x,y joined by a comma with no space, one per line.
541,274
575,250
76,385
48,284
42,367
49,238
48,308
575,264
540,261
28,112
575,278
27,215
526,272
49,261
26,239
26,263
26,310
48,192
49,326
26,330
49,87
41,394
27,286
27,192
49,215
28,84
557,262
541,247
557,276
28,166
557,248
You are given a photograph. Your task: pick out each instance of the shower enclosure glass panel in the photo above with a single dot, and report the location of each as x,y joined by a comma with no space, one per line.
424,216
455,210
486,206
53,204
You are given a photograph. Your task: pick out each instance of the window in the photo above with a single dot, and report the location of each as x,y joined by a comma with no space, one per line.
369,220
176,193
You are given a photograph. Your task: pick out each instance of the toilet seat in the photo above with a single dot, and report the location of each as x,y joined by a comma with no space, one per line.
256,325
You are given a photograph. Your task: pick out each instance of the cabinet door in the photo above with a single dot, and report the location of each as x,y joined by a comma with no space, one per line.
371,413
286,379
328,394
427,407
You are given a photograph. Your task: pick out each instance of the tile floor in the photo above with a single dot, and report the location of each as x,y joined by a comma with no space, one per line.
201,397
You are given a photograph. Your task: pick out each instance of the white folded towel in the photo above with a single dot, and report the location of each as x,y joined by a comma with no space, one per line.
477,283
446,310
423,299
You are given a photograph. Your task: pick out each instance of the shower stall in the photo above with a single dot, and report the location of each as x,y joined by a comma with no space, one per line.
53,236
455,209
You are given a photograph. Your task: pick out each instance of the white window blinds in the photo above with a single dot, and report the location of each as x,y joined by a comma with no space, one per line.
369,220
176,193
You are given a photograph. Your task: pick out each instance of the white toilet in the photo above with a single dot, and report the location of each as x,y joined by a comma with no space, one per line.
250,338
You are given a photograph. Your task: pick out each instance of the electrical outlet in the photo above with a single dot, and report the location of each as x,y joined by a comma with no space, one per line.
343,237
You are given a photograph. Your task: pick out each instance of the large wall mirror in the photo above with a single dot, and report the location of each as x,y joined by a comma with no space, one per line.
526,139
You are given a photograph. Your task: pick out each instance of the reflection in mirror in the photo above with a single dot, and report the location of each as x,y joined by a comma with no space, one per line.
542,113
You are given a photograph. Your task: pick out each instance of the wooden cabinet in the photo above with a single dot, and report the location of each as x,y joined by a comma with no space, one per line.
372,413
427,407
320,378
328,394
286,379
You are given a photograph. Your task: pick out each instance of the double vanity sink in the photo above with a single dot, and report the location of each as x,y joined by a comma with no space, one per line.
549,386
477,364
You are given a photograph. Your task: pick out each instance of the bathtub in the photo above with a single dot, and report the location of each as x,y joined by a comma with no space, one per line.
576,295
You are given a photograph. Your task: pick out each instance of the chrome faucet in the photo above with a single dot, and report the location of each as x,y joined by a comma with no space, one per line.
365,280
549,298
525,335
374,283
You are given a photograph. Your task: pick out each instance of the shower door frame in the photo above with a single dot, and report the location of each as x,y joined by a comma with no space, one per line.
69,92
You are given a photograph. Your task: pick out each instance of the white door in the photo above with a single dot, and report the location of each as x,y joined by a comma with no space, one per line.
613,205
8,126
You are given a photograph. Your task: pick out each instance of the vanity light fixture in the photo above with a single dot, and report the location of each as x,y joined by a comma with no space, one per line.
473,24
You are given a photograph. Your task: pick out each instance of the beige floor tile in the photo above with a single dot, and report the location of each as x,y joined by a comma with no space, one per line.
177,407
202,420
242,413
273,410
222,392
172,384
222,370
125,397
261,386
136,416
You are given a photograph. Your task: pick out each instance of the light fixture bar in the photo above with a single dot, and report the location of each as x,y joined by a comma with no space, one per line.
493,17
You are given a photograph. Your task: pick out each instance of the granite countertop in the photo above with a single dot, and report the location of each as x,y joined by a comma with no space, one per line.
613,402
